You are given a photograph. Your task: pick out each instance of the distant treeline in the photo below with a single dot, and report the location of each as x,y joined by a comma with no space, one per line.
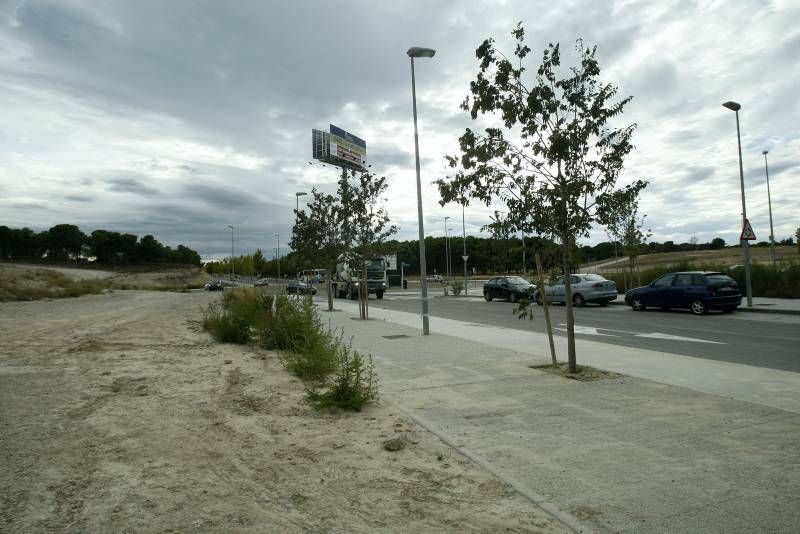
66,242
486,255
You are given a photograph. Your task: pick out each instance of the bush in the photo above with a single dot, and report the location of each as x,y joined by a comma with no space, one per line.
354,385
457,286
224,326
295,327
308,350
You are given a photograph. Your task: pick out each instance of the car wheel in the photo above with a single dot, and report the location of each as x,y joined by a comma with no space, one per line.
538,299
513,297
487,296
579,301
699,308
379,294
637,304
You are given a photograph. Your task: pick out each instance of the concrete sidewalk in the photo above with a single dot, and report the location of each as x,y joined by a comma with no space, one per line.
679,445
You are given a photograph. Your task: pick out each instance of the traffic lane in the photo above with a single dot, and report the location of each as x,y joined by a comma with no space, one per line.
756,340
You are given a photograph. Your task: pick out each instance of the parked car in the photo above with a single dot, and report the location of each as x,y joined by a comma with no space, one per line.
296,287
216,285
434,278
261,282
512,288
699,291
585,288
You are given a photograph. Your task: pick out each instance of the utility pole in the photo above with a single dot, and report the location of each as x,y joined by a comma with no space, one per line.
464,242
278,253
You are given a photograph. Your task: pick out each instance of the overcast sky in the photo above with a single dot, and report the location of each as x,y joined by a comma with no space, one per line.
178,118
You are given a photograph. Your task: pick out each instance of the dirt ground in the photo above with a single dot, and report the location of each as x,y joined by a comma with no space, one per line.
118,414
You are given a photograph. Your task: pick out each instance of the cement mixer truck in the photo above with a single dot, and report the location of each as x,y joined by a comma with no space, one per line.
348,277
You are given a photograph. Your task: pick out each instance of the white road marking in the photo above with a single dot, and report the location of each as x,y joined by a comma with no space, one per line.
588,330
591,331
656,335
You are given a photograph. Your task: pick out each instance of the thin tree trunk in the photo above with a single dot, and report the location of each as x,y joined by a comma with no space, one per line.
540,275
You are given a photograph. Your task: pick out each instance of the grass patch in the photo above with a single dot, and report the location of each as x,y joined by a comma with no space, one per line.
37,284
584,372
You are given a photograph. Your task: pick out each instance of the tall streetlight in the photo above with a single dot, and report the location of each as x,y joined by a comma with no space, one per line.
232,273
464,242
446,249
769,203
278,252
733,106
297,202
449,252
413,52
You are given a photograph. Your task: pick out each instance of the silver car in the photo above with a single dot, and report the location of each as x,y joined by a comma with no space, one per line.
585,288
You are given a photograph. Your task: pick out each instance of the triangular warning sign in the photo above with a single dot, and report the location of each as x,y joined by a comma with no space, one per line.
747,232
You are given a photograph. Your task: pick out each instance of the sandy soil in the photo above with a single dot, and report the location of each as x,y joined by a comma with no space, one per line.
117,414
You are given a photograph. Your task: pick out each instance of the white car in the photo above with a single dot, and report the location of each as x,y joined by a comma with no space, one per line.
261,282
585,288
434,278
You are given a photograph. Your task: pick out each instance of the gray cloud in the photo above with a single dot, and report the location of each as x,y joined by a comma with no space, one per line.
79,198
130,183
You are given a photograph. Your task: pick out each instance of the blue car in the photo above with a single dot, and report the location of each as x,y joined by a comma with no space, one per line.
699,291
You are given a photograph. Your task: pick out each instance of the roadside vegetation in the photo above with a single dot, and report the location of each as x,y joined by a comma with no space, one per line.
782,281
25,282
335,375
37,284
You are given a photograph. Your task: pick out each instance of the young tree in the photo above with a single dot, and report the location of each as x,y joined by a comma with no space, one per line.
555,147
352,223
626,226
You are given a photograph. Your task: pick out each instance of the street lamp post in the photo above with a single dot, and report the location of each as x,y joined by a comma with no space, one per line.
278,252
232,273
446,250
412,53
449,254
769,203
464,243
735,107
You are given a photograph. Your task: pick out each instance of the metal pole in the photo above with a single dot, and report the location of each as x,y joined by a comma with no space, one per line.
446,249
232,270
422,274
769,203
745,243
278,253
524,264
464,240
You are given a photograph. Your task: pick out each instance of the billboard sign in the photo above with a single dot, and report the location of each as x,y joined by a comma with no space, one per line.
339,147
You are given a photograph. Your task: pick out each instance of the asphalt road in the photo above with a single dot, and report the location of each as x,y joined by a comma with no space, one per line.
763,340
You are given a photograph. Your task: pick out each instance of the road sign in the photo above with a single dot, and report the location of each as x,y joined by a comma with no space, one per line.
747,232
465,258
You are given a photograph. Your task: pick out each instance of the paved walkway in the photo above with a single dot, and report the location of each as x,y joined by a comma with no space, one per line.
678,445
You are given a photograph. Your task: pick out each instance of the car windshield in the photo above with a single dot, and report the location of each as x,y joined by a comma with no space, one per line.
593,278
517,281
